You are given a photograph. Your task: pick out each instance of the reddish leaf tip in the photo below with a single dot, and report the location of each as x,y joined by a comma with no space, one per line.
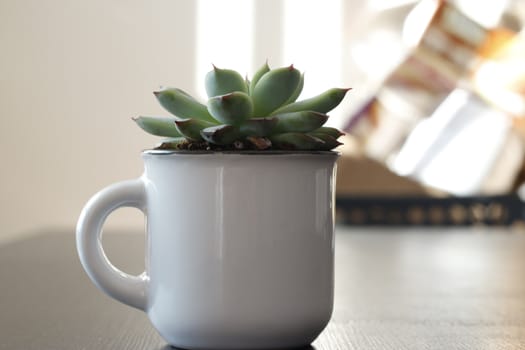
226,97
181,121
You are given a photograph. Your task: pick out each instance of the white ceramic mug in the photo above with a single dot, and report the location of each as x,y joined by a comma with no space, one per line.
240,247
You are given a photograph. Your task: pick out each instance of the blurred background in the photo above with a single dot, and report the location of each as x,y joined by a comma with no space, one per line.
435,121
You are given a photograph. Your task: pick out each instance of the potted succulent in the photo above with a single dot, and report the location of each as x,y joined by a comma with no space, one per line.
240,215
261,114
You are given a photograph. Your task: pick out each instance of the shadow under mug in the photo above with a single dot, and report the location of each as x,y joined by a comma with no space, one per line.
239,249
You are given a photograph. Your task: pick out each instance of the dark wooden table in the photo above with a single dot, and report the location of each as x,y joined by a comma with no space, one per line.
402,289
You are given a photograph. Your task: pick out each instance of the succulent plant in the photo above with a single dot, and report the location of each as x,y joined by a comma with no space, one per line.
240,114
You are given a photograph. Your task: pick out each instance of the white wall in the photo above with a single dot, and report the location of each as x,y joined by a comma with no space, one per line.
72,74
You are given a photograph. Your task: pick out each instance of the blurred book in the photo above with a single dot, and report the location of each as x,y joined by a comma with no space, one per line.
446,116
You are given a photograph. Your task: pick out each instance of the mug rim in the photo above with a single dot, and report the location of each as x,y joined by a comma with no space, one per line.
167,152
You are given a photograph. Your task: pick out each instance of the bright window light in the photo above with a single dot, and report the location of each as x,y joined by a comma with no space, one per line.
455,149
417,21
384,5
487,13
312,42
225,32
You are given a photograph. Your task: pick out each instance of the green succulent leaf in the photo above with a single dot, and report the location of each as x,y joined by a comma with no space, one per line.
224,81
222,134
296,141
258,127
182,105
300,122
247,81
191,128
232,108
159,126
258,75
297,91
329,141
274,89
322,103
335,133
261,113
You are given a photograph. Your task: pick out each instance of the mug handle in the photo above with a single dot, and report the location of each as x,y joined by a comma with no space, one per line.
128,289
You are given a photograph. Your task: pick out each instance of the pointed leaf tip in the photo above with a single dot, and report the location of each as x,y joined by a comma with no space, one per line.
182,105
223,81
160,126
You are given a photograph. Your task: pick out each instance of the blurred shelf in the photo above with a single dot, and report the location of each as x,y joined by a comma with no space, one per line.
505,210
